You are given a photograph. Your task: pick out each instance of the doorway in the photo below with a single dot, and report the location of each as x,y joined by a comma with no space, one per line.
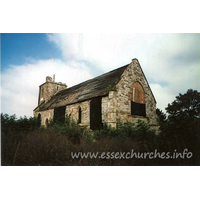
59,114
95,113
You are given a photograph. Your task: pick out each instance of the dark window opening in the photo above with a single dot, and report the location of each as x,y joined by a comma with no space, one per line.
47,121
59,114
57,87
138,109
79,115
39,118
95,113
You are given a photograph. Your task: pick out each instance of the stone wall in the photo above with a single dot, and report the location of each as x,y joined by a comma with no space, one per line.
47,114
104,109
48,89
73,110
122,103
116,107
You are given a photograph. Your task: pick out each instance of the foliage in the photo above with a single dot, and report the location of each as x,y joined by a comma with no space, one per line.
111,88
141,131
161,115
12,124
24,142
70,128
12,132
181,128
185,105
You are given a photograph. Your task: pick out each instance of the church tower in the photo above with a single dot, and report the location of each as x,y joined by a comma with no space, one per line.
49,88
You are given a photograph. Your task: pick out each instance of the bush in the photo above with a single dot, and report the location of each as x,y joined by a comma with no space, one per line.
71,130
140,131
25,143
12,124
13,130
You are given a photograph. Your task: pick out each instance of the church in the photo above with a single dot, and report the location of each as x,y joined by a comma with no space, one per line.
122,95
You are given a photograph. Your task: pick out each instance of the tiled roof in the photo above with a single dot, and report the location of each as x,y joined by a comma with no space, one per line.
92,88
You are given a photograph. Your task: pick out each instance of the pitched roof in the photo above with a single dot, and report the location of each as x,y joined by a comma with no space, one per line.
95,87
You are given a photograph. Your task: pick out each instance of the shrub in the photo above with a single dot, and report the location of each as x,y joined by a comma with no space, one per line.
71,130
25,143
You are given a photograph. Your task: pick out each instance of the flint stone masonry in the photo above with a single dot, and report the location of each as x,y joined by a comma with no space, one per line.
49,88
73,111
47,114
115,104
132,74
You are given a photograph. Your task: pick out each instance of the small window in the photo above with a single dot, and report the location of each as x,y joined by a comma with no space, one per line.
79,115
39,118
47,121
138,106
57,87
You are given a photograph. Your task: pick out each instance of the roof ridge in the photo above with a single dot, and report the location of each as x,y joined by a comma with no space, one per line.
91,79
95,87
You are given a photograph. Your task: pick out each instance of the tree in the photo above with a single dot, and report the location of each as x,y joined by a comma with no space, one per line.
184,115
185,105
181,129
161,115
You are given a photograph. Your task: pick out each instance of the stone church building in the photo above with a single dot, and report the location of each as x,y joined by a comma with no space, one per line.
120,95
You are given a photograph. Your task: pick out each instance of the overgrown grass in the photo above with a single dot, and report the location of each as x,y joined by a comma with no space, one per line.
25,143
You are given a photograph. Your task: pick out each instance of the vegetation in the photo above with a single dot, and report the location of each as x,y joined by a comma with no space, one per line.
181,128
111,88
24,142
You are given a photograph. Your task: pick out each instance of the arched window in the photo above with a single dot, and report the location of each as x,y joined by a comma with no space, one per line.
138,100
138,95
79,115
39,118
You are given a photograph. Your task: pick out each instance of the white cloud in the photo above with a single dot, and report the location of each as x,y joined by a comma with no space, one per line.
163,95
20,84
169,61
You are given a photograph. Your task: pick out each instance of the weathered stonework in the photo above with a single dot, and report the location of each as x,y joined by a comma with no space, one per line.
73,111
46,116
132,74
48,89
115,104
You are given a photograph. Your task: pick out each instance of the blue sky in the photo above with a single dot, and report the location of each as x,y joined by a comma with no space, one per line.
17,49
169,61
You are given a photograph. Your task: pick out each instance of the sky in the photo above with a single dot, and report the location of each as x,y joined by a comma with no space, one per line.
170,63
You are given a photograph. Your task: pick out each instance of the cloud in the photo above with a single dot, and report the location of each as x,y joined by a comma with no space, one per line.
163,95
169,61
20,84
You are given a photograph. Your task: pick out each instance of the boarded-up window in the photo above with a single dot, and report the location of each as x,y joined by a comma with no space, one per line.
59,114
138,93
138,100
